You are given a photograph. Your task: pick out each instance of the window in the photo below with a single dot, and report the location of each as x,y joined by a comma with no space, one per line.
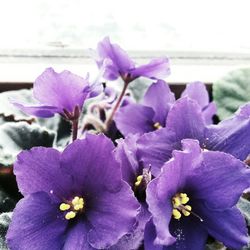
195,34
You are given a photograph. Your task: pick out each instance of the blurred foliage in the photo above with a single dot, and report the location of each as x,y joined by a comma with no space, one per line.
231,92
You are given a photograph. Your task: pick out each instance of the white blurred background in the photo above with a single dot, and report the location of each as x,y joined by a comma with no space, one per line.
193,32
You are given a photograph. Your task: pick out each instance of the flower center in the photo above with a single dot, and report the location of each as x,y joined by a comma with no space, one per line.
179,202
157,125
72,208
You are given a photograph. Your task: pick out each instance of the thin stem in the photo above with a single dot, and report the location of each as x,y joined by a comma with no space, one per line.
74,129
117,105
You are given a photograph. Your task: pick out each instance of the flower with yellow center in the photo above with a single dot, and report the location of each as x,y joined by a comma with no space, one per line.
72,208
179,202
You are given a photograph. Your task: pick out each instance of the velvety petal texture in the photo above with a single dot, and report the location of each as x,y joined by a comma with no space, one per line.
36,224
185,120
115,62
213,210
231,135
135,118
160,98
148,116
47,178
57,92
197,91
126,155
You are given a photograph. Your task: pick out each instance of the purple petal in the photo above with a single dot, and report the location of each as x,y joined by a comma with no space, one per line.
189,235
36,224
37,110
159,198
156,69
198,92
149,237
208,113
91,163
155,148
112,216
160,98
134,118
42,165
134,239
125,154
186,120
227,226
119,61
232,135
226,174
62,90
77,237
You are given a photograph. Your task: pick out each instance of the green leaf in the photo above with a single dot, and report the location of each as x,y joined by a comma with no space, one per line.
231,92
9,111
7,203
16,137
244,206
5,219
138,87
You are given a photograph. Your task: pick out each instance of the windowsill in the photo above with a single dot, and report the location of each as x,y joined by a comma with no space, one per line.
185,67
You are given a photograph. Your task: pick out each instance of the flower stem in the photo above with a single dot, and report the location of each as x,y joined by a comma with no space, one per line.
74,129
117,105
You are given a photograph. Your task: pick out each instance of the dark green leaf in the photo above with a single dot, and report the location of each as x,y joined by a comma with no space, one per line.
231,92
7,203
5,219
244,206
138,87
8,111
16,137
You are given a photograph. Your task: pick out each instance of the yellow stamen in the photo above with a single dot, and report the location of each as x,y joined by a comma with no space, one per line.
138,180
64,207
176,202
70,215
157,125
184,200
75,200
176,213
186,210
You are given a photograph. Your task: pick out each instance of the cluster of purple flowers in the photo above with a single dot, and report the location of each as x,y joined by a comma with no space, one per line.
157,174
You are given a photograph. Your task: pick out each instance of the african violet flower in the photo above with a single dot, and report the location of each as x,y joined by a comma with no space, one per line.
195,196
152,113
72,200
138,178
62,93
185,120
116,63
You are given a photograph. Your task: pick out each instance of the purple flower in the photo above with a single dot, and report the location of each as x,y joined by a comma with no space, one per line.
115,62
138,178
62,93
152,113
185,120
195,196
197,91
72,200
148,116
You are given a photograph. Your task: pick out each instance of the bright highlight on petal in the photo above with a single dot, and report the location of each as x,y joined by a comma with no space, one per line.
75,206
